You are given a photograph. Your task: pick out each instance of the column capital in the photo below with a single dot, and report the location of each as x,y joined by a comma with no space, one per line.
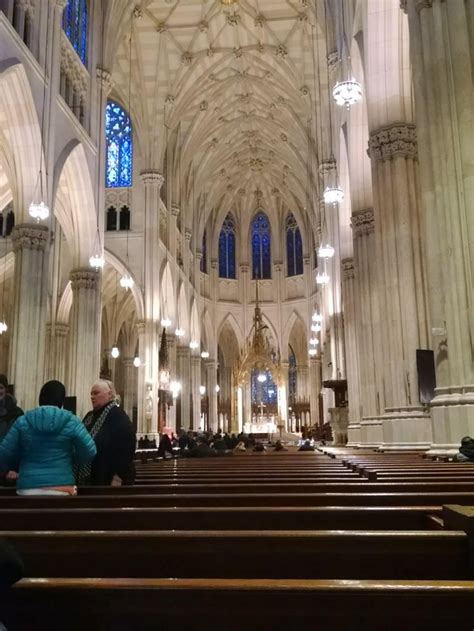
278,265
214,263
127,361
348,268
327,166
183,351
104,77
171,340
152,178
29,237
244,268
61,330
61,4
175,210
393,141
188,234
141,326
84,279
363,222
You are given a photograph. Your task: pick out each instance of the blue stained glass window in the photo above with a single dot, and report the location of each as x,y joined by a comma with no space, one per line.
119,157
291,374
261,247
75,25
203,262
227,248
266,392
294,247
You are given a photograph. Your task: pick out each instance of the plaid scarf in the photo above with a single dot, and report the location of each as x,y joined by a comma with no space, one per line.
93,426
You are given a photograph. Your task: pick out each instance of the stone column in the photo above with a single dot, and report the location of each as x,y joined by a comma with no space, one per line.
184,376
129,378
153,182
171,412
56,364
393,153
442,56
352,353
31,245
141,382
211,378
196,395
314,389
369,328
84,338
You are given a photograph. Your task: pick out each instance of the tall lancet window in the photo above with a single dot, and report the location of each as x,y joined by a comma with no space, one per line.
119,155
75,25
292,371
263,391
294,247
203,262
227,248
261,247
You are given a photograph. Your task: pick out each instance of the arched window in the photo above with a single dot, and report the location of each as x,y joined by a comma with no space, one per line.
119,156
227,248
203,262
75,25
291,375
294,247
265,392
261,247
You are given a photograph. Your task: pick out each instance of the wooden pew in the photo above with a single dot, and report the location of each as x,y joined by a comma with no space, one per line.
440,555
232,604
221,518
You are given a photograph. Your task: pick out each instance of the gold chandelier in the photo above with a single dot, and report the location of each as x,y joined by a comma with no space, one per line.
228,2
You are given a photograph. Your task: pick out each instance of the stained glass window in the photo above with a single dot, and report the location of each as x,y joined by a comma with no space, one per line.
291,374
227,248
265,392
75,25
118,131
294,247
261,247
203,262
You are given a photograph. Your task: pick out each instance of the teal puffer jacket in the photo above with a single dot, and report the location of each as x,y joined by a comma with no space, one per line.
43,445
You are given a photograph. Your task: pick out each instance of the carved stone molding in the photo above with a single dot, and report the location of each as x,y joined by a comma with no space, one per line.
141,326
29,237
183,352
84,279
333,61
170,340
152,178
393,141
188,234
363,222
214,263
105,80
348,268
244,268
326,167
175,210
423,4
61,330
72,67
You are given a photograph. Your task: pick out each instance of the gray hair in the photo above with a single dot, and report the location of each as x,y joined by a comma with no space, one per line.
105,384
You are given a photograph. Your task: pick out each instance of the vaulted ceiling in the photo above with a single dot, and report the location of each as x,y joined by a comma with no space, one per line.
231,91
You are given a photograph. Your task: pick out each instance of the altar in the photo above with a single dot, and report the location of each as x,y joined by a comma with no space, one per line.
261,425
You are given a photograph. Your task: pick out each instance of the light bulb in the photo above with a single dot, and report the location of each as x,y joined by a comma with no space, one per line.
3,327
179,332
193,344
314,341
204,354
312,352
322,278
315,328
333,195
126,282
137,362
218,388
97,261
347,92
317,317
165,322
202,390
262,377
175,388
326,251
115,352
40,211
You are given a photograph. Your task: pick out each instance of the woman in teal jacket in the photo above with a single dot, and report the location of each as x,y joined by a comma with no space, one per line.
46,443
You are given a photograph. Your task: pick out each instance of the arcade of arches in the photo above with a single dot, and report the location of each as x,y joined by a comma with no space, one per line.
189,143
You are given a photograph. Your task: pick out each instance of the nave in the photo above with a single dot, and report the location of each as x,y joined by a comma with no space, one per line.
333,540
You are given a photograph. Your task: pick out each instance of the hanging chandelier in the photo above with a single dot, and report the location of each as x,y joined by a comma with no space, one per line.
326,251
322,278
333,195
317,317
179,332
165,322
314,341
175,388
312,352
315,328
115,353
193,344
3,327
38,211
262,377
228,2
137,362
347,92
205,354
97,261
126,282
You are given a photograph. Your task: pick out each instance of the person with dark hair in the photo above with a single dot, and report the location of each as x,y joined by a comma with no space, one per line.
201,450
259,447
466,450
306,446
114,436
165,448
47,442
9,412
279,446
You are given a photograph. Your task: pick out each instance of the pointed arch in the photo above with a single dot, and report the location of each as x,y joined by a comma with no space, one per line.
294,247
122,270
228,341
195,324
183,319
227,242
168,302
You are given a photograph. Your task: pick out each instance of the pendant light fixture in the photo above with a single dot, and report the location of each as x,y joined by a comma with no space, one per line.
326,251
3,323
348,91
137,362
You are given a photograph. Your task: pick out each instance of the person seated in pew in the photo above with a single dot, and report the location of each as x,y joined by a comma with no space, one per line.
466,450
306,446
141,443
240,448
279,446
114,436
165,449
201,450
259,447
47,442
9,412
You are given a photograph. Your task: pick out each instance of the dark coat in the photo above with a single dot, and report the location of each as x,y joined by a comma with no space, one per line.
11,565
8,415
201,451
115,444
